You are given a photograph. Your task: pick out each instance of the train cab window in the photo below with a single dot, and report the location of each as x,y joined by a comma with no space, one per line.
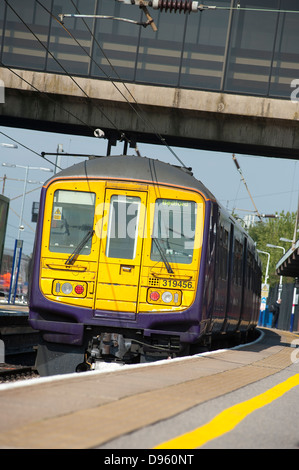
174,231
123,227
72,218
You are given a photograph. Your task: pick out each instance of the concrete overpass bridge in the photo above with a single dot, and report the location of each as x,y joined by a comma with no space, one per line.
224,80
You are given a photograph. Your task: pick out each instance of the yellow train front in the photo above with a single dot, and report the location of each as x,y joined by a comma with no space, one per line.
125,264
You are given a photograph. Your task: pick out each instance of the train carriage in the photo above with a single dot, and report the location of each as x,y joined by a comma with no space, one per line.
135,259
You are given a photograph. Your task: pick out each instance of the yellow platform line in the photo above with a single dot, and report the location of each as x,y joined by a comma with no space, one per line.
229,418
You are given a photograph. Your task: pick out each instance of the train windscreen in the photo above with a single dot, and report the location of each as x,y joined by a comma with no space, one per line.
174,230
72,218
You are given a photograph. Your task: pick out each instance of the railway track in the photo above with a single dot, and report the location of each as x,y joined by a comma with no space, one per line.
20,363
142,407
18,344
13,373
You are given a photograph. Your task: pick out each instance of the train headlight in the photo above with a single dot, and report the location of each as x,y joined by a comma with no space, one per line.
70,288
161,297
66,288
167,297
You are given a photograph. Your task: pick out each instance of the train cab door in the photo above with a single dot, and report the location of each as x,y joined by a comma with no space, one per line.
120,255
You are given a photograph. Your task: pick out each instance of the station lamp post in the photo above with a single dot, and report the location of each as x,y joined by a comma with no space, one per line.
285,240
280,278
9,146
27,168
268,262
19,243
265,289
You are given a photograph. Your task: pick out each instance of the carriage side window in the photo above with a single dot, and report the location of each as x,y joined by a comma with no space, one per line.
237,269
174,230
250,270
72,218
223,253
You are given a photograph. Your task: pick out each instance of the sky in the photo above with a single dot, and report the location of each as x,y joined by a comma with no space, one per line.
272,182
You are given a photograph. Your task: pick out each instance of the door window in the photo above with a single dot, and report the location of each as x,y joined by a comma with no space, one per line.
123,227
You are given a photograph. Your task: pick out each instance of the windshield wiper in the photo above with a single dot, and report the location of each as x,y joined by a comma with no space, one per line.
163,255
79,248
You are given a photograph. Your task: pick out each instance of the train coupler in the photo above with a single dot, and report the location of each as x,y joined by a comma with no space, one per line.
109,347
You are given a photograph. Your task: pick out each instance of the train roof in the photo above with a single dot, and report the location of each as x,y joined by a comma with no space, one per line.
131,167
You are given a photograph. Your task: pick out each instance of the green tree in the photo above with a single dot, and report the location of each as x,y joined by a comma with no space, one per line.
270,231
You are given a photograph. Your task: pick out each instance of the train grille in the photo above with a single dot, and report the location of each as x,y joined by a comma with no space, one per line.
154,282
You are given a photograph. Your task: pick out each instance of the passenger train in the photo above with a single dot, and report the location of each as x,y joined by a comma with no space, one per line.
135,260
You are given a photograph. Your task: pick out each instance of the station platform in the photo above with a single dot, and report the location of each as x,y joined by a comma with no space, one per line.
13,312
89,410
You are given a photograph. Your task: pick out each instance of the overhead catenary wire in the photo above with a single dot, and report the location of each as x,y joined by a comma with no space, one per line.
57,103
121,133
243,179
66,110
13,71
123,136
263,10
113,69
194,6
25,146
59,63
48,97
144,119
105,55
262,195
201,6
164,5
